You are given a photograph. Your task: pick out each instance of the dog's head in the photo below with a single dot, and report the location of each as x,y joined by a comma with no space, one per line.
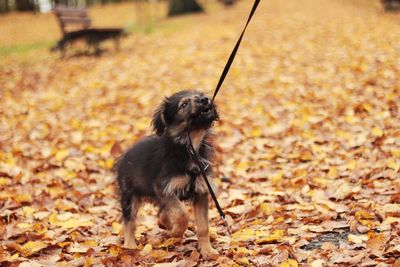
184,111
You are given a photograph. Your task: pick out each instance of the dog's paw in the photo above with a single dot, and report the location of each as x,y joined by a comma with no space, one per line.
209,253
131,244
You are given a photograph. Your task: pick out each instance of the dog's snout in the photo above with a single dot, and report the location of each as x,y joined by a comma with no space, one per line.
203,100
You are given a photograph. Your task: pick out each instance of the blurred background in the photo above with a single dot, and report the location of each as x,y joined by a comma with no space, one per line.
31,24
309,130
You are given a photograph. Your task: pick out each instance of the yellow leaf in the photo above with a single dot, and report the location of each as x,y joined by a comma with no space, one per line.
396,153
65,174
32,247
74,164
376,242
367,107
352,164
4,181
5,195
24,225
243,261
365,218
147,249
57,191
64,244
169,242
89,261
28,210
78,248
90,243
391,163
350,119
61,154
256,132
23,198
321,181
376,131
243,166
332,173
244,235
69,220
241,251
289,263
158,254
114,250
116,228
277,178
109,163
276,236
39,228
266,209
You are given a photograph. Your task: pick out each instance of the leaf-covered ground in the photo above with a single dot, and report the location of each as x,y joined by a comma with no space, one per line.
308,144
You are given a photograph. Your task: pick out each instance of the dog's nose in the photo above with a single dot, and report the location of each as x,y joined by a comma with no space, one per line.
204,100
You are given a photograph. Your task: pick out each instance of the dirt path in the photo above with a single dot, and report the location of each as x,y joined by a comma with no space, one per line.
308,142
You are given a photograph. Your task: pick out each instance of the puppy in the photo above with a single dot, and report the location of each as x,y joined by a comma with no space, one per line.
160,168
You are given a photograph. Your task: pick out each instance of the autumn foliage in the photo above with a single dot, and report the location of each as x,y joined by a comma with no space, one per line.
308,145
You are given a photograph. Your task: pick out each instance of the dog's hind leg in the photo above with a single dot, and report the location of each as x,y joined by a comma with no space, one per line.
163,219
130,206
173,217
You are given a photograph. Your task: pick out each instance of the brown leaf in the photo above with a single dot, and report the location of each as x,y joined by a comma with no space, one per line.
116,149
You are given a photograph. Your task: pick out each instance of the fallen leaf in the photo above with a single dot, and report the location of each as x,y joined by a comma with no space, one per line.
32,247
69,220
289,263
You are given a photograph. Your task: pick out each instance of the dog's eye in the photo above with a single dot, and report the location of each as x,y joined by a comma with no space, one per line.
183,105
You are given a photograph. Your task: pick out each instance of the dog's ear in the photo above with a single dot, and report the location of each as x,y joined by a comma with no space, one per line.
158,122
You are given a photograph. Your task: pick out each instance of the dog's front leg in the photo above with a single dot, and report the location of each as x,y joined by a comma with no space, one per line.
200,207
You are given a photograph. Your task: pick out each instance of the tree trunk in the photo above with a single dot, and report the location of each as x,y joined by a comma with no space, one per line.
391,5
24,5
178,7
228,2
4,6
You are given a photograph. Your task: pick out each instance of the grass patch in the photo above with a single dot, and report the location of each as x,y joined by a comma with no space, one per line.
24,48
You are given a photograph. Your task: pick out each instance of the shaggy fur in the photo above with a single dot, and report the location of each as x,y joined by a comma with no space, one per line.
159,168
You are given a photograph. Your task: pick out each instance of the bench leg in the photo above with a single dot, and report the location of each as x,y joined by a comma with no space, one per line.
117,44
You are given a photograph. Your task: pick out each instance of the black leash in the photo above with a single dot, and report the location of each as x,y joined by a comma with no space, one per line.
234,51
220,82
203,173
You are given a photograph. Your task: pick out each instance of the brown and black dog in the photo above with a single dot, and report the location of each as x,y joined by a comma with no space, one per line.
160,169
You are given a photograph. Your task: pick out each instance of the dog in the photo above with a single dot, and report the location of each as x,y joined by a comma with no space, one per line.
92,38
160,168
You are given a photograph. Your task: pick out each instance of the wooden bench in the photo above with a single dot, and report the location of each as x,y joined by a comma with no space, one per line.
78,18
75,25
